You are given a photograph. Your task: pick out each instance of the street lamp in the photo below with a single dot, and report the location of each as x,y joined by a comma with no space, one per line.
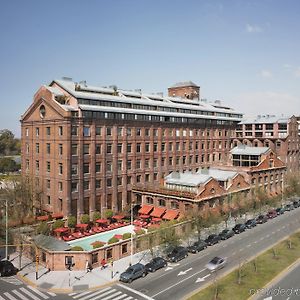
6,228
131,237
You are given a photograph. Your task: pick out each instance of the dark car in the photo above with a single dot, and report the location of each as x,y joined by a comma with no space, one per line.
7,268
212,239
226,234
238,228
177,254
250,223
155,264
271,214
289,207
197,246
261,219
133,272
296,204
280,210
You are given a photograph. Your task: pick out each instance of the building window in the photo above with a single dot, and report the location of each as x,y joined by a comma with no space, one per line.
60,186
74,169
60,130
86,168
147,132
60,168
86,131
129,148
124,248
98,167
119,147
138,131
162,202
74,149
37,131
86,149
48,200
48,184
98,130
155,132
128,131
138,147
129,178
174,205
163,147
119,181
48,166
37,148
27,164
147,177
138,178
155,175
138,164
98,148
74,187
48,148
119,165
120,131
129,164
94,258
37,165
155,147
109,148
147,163
74,130
27,132
108,131
109,182
60,149
86,185
98,183
48,131
109,166
147,147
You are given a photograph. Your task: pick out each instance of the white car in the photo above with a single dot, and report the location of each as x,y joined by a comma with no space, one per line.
216,263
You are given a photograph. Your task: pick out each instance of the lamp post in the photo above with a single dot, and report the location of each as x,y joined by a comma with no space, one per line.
131,237
6,228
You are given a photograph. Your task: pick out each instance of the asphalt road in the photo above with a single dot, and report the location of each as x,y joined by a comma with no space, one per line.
178,280
286,288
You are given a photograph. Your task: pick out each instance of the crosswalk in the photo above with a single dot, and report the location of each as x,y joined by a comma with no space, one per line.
12,280
109,293
26,293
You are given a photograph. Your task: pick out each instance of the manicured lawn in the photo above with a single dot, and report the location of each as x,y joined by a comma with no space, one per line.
268,267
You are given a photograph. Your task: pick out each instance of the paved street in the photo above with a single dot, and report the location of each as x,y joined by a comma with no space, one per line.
177,280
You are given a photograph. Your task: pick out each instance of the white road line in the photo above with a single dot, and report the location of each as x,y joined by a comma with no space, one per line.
83,293
51,294
112,296
128,298
10,296
97,293
120,297
1,298
38,292
20,295
29,294
134,291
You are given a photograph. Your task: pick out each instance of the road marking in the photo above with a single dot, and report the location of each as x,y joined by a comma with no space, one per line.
184,272
171,286
112,296
29,294
87,292
201,279
10,296
38,292
120,297
135,291
20,295
173,265
128,298
168,268
97,294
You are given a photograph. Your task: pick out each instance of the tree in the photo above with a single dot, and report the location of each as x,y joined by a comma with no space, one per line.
293,185
168,236
85,219
72,221
8,144
8,165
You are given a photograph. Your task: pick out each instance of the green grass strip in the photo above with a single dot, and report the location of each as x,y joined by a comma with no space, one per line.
254,274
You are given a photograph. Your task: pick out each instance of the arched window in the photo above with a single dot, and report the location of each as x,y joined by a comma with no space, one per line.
162,202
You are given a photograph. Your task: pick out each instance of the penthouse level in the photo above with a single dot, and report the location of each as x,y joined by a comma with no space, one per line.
84,147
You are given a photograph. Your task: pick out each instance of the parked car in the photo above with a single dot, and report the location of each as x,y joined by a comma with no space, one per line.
250,223
216,263
289,207
226,234
296,203
261,219
280,210
271,214
133,272
177,254
197,246
155,264
238,228
212,239
7,268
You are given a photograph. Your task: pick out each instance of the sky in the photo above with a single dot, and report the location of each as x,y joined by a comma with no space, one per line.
244,53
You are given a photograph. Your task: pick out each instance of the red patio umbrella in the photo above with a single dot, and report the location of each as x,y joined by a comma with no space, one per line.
57,216
61,229
144,216
102,221
82,226
118,217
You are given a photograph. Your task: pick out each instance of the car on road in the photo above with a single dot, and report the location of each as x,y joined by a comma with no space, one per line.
7,268
296,203
155,264
289,207
177,254
250,223
226,234
261,219
133,272
280,210
216,263
197,246
238,228
212,239
271,214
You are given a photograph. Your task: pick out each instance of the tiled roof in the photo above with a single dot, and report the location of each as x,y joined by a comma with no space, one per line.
187,178
246,150
50,243
184,83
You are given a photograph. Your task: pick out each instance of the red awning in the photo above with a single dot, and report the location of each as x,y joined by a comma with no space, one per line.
157,212
171,214
61,229
82,225
156,219
145,209
57,216
144,216
42,218
118,217
102,221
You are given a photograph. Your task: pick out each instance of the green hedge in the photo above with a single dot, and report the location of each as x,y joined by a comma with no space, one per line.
76,248
112,240
126,236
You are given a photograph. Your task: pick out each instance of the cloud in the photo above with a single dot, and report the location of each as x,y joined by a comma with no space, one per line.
297,72
287,66
266,102
253,28
266,74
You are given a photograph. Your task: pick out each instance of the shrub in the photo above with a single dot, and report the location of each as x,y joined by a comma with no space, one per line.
112,240
126,236
108,213
72,221
58,224
29,220
76,248
98,244
140,232
85,219
96,215
43,228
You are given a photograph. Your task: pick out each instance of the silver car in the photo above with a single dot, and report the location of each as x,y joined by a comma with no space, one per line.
216,263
